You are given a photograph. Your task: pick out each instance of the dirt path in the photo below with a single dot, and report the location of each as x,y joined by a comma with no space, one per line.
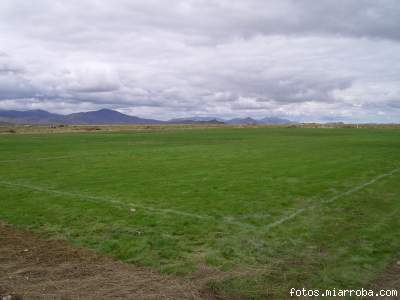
34,268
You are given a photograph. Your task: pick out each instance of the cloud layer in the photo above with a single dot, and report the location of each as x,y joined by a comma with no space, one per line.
301,59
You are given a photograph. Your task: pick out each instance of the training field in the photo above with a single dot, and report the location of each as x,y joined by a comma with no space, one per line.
270,208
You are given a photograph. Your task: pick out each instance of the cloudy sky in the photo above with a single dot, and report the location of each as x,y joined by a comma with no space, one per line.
305,60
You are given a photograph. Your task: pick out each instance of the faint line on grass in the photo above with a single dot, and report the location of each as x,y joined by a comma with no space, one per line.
62,157
121,204
330,200
165,211
36,159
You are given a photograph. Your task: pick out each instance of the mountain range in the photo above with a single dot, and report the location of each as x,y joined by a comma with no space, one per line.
108,116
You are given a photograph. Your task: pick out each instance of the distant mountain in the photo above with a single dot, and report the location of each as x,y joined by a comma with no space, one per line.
108,116
274,120
240,121
235,121
102,116
196,120
37,116
24,114
251,121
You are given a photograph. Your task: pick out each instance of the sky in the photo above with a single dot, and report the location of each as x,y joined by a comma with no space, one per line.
304,60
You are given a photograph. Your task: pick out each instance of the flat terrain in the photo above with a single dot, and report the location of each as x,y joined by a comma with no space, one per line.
255,211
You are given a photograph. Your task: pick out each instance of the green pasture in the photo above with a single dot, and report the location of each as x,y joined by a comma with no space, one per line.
270,208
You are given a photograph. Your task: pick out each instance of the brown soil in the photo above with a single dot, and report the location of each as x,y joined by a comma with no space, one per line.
34,268
388,280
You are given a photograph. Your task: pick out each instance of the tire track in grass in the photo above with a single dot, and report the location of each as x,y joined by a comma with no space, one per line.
329,200
121,204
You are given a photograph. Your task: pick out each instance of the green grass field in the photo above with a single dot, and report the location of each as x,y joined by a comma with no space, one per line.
275,208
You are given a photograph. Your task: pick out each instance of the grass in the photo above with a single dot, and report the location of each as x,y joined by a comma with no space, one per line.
176,199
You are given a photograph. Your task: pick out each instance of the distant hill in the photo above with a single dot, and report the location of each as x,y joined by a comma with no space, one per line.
196,120
108,116
267,120
244,121
236,121
102,116
274,120
30,117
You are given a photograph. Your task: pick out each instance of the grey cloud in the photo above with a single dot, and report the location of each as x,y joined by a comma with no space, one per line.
207,19
13,84
299,58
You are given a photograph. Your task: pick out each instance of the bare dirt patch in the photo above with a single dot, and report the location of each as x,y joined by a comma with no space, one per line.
34,268
388,280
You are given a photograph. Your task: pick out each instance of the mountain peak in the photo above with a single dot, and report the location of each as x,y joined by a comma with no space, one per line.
100,111
106,110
